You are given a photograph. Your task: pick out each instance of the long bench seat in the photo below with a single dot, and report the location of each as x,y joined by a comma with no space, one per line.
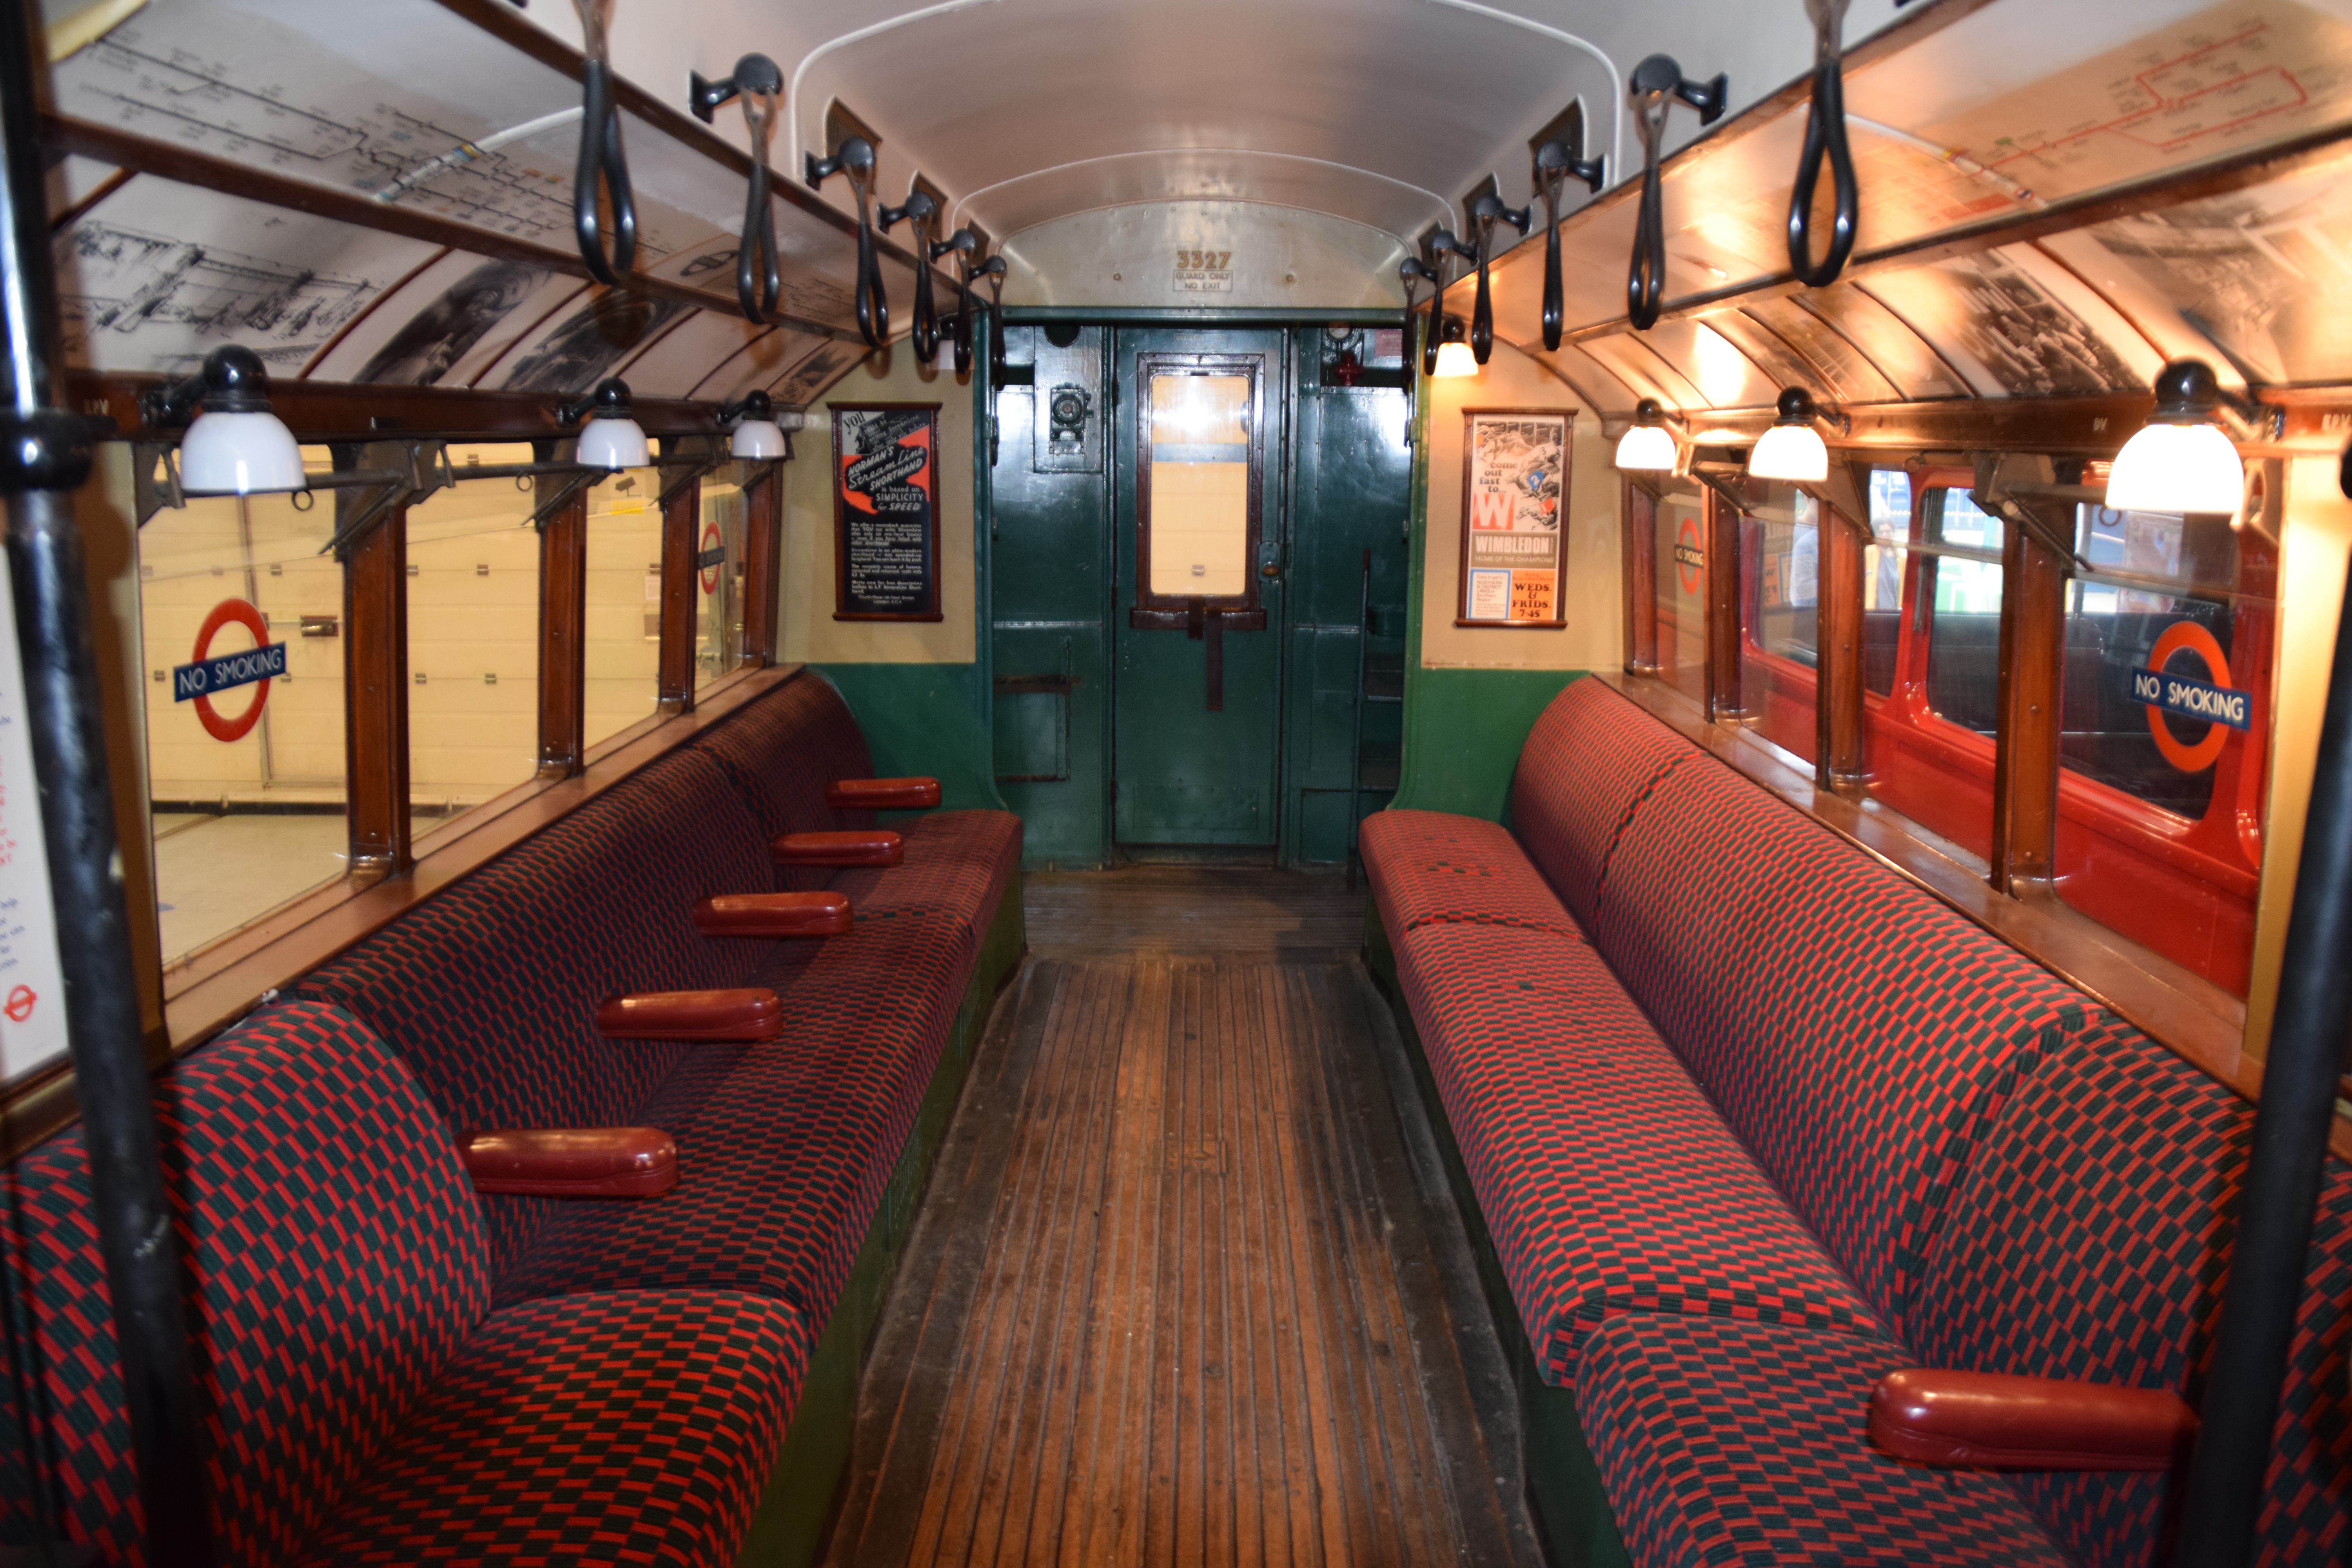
1748,1121
701,1326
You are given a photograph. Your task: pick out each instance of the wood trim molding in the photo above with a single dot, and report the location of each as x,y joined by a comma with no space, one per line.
562,633
220,983
674,668
375,682
2187,1015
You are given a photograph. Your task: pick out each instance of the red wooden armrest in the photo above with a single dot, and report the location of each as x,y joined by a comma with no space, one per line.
863,846
756,1013
1993,1421
882,794
572,1162
773,914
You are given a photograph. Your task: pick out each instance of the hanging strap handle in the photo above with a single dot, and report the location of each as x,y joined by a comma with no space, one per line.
921,212
1825,142
1555,164
602,162
1656,83
1487,212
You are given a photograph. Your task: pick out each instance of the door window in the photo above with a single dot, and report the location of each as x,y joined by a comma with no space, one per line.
1197,496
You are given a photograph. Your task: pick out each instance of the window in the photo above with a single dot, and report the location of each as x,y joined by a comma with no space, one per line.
1197,500
1960,580
473,640
1928,737
1682,591
623,638
719,579
1883,563
2169,636
1780,554
241,609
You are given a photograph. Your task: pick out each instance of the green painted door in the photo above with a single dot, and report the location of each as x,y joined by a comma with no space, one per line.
1198,532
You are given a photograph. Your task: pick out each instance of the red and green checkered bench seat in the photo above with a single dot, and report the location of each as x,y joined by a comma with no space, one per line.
780,752
1608,1182
2085,1242
1433,866
1586,767
361,1400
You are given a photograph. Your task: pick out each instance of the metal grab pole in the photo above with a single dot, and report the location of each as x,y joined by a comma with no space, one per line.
44,456
2286,1163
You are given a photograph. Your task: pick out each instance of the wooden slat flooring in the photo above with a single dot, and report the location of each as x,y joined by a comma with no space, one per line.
1139,909
1174,1295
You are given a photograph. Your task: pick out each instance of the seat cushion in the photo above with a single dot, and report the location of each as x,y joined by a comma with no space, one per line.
1733,1445
2090,1240
1587,766
783,1148
625,1428
489,990
334,1259
1856,1031
781,752
1428,866
1608,1182
957,865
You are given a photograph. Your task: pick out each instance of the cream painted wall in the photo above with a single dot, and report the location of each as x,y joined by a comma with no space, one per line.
1283,258
811,635
1590,584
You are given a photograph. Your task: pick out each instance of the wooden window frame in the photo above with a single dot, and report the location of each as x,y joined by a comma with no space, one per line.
2011,895
1174,612
218,983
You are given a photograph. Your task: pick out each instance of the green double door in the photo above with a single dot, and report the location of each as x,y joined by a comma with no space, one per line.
1199,454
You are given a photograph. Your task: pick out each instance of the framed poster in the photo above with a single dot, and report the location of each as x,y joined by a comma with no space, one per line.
1514,497
886,511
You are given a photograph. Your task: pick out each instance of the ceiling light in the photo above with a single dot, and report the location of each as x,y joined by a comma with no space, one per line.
2180,462
236,446
756,438
1791,450
611,438
1454,355
1649,446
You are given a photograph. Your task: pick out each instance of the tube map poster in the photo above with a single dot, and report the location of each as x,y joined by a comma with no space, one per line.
886,511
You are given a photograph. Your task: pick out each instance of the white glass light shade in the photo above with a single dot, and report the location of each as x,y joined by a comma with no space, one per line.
2178,467
612,444
240,454
757,440
1791,452
1648,448
1455,359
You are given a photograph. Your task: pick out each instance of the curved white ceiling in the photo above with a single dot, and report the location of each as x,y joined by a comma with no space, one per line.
1027,110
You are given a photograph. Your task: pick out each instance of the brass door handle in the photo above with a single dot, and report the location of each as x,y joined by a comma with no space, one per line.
1270,569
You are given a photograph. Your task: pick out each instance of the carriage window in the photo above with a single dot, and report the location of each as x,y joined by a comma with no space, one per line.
719,576
1960,587
241,608
473,640
2168,631
1882,580
1682,591
1779,553
1197,513
624,637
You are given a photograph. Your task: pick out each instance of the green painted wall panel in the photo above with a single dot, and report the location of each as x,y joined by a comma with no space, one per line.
1463,731
923,718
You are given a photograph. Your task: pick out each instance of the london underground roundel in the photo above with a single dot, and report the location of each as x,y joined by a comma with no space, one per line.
199,680
2213,701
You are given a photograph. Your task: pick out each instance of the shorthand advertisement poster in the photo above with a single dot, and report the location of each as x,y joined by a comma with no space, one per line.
886,508
1514,491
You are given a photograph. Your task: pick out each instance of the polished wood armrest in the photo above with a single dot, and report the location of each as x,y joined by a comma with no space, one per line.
1994,1421
752,1014
858,846
882,794
572,1162
773,915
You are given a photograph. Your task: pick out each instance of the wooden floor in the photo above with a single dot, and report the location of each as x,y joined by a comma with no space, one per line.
1186,1288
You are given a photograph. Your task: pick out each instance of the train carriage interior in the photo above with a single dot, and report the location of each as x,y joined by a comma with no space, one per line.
866,783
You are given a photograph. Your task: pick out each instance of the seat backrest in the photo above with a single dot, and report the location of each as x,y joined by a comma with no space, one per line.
781,752
2090,1239
1586,763
335,1261
489,990
1854,1030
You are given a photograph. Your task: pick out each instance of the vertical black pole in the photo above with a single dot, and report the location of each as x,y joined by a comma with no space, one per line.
2287,1162
46,456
